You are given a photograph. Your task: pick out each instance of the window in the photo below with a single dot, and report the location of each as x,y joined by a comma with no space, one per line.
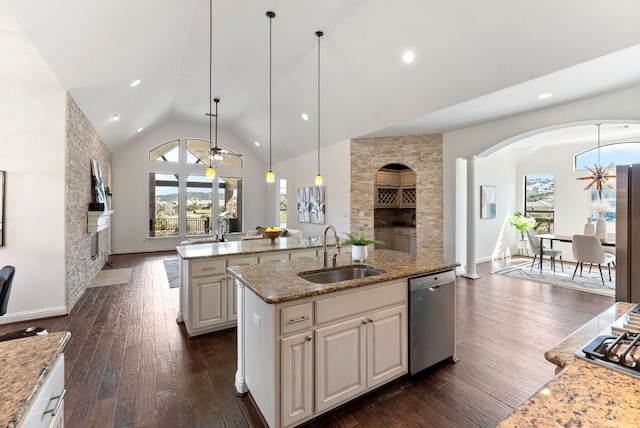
617,154
283,203
199,205
539,200
167,152
206,210
163,205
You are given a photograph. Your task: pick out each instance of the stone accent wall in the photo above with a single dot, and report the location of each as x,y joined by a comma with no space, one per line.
421,153
83,145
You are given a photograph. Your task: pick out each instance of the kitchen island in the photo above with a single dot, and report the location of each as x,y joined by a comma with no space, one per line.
207,297
32,380
305,348
583,393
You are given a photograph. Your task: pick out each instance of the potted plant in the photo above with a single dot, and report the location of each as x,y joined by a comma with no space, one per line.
108,195
522,224
359,246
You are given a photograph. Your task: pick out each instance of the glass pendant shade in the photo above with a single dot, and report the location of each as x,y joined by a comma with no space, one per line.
210,172
271,176
318,180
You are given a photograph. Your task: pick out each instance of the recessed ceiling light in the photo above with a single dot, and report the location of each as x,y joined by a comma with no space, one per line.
408,57
545,96
140,129
115,118
257,144
305,116
135,83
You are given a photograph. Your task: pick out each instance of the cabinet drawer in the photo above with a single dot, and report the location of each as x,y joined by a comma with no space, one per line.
243,261
334,308
208,267
302,254
49,401
295,318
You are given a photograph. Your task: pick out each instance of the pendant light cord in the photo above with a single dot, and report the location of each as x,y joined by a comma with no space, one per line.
210,74
319,34
599,144
270,15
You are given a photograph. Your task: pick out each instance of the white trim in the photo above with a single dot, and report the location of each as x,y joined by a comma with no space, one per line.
32,315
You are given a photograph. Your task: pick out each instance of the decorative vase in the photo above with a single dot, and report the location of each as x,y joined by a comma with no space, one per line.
601,227
589,227
359,253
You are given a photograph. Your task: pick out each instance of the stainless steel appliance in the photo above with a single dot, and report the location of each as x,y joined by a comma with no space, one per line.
618,348
432,320
627,233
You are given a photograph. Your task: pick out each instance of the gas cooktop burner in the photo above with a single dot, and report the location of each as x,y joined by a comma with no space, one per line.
619,350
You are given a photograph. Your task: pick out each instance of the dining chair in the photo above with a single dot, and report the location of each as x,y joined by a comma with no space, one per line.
611,250
534,247
6,278
589,249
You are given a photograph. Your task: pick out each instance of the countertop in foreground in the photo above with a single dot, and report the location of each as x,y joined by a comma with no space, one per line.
583,394
24,365
279,281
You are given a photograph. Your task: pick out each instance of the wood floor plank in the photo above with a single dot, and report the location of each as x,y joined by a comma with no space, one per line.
130,364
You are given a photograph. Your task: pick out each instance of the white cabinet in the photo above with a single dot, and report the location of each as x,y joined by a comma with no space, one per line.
47,408
210,297
296,377
386,345
340,363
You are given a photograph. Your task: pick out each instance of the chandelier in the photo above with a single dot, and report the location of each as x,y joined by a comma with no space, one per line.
599,174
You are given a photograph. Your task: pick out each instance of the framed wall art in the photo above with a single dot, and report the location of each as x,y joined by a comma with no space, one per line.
487,201
311,205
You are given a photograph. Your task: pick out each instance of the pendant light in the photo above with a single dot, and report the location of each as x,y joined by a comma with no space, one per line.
318,179
211,171
271,177
599,174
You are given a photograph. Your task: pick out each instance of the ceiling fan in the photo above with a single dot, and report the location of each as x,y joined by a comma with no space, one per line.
216,152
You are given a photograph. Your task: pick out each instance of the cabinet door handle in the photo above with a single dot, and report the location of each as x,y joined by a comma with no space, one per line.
303,318
56,409
308,338
364,322
369,320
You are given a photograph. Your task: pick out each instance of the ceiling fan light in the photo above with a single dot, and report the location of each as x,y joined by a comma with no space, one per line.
271,177
210,172
318,180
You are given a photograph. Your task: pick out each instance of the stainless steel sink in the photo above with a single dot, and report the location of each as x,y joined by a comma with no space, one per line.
340,274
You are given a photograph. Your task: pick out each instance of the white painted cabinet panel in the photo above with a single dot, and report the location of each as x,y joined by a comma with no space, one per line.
386,345
47,408
296,377
210,298
340,363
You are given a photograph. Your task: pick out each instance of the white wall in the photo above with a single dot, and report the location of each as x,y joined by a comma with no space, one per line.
32,152
131,168
473,141
300,171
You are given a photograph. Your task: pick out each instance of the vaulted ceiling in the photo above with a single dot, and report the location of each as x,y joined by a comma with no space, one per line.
475,61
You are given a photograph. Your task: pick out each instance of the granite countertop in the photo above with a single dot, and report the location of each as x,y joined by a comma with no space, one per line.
249,246
24,365
279,281
583,393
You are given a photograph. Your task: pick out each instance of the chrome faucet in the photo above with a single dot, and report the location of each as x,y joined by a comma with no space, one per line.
325,256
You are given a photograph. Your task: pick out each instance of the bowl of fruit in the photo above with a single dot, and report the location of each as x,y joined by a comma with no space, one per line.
272,233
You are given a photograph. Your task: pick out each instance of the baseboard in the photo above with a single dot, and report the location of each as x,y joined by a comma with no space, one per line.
33,315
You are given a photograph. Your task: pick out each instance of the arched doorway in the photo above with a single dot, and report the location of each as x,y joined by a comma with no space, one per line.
395,208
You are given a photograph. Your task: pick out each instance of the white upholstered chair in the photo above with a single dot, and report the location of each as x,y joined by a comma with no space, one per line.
589,249
534,247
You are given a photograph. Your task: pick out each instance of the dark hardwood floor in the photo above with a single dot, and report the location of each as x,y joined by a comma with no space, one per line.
129,364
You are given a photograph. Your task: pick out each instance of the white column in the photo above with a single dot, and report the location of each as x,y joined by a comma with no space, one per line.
472,205
241,386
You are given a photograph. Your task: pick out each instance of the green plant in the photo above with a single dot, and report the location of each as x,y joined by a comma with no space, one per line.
107,192
522,223
359,240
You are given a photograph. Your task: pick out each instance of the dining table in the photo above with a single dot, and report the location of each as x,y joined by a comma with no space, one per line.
563,238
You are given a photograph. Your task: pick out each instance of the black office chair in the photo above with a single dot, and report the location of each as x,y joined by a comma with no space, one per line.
6,278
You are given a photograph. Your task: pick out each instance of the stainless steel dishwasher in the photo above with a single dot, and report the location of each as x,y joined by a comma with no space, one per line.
432,320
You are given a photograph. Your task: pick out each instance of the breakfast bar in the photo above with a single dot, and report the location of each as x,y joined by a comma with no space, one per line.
583,393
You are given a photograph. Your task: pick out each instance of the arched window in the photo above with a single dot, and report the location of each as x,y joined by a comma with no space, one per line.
617,154
167,152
